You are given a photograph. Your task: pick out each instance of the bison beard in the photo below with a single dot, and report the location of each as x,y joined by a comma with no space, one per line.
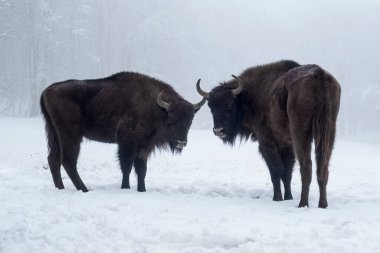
136,111
284,106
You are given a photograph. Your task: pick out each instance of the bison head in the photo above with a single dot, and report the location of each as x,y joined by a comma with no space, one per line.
224,109
180,116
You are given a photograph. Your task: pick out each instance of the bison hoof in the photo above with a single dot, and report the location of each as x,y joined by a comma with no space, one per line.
277,198
303,204
141,190
288,197
125,187
83,189
322,205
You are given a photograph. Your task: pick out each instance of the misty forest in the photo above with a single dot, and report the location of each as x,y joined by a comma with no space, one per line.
42,42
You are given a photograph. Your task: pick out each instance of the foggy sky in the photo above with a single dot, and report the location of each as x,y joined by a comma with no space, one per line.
181,41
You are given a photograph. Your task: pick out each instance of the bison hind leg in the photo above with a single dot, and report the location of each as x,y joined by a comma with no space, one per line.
54,160
322,158
70,152
302,144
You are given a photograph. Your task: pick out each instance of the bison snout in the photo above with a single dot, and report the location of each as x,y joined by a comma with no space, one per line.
181,144
219,132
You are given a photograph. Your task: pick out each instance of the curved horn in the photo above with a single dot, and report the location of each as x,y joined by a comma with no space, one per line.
198,105
161,103
239,88
202,92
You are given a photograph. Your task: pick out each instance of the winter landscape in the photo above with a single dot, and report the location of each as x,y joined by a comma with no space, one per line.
212,197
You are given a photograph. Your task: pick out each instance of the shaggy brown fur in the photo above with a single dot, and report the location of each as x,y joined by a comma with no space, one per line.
284,106
126,109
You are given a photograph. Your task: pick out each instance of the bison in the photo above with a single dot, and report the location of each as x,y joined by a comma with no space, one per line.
136,111
284,106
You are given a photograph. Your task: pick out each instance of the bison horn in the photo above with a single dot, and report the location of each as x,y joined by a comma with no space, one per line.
161,103
197,106
239,88
201,92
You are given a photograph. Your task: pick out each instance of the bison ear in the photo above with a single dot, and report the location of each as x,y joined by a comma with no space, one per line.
162,103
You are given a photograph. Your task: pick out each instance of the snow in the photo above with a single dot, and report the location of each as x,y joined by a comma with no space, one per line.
212,198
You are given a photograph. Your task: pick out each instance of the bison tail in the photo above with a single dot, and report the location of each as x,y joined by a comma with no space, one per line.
51,134
324,125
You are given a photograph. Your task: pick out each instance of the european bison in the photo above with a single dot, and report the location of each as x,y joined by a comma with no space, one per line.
284,106
136,111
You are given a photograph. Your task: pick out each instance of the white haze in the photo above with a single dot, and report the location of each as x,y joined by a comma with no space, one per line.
42,42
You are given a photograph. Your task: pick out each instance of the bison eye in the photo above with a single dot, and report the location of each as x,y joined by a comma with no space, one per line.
171,119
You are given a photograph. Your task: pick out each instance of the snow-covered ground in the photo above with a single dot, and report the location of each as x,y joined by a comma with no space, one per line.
210,199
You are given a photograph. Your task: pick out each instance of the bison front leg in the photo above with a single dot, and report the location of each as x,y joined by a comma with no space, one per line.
288,159
274,162
126,157
140,168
